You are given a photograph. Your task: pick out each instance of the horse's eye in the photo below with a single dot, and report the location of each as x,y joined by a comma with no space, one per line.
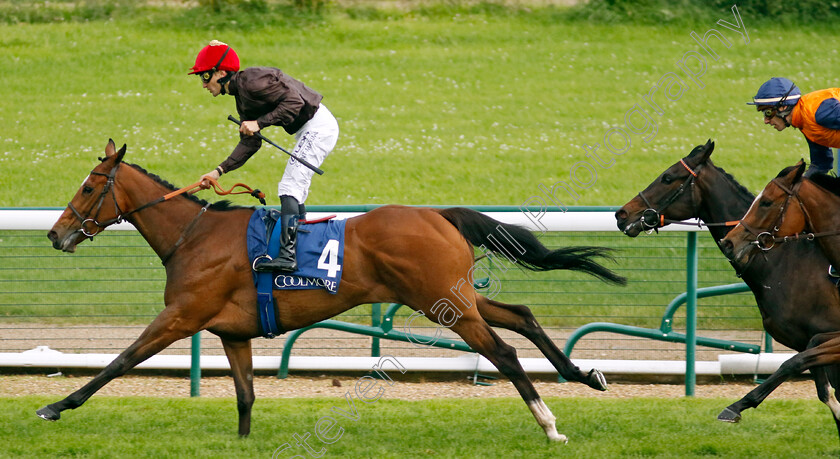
765,203
667,179
87,189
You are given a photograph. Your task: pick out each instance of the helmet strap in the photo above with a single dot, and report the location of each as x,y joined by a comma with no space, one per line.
787,111
784,114
223,81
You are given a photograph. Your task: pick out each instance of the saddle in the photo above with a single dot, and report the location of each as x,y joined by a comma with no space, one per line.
320,254
272,216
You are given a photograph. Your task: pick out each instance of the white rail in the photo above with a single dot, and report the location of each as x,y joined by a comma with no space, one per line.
40,219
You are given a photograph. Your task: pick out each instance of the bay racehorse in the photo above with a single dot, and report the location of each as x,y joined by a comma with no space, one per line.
397,254
790,211
792,289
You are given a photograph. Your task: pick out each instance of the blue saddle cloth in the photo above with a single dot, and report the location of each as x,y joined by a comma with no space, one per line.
320,253
320,257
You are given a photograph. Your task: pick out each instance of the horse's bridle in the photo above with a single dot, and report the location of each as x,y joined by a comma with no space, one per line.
653,219
122,216
766,240
100,226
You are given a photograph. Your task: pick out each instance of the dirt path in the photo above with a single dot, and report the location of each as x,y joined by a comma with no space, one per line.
336,386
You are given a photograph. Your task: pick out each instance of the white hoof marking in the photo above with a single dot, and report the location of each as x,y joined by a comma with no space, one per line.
546,420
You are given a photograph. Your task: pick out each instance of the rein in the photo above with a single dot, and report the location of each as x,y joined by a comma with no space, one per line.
213,184
653,219
123,216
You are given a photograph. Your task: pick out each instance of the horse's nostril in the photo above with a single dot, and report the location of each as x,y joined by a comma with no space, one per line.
621,215
727,247
52,236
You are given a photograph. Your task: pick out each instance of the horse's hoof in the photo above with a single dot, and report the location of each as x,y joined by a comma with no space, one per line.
48,413
559,438
728,415
596,380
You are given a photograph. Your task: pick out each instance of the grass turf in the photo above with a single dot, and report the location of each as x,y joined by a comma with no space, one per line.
150,427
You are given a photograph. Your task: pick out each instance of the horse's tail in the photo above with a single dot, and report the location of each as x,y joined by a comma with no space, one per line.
518,244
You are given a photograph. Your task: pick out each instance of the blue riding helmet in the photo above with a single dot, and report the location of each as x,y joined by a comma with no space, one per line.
777,91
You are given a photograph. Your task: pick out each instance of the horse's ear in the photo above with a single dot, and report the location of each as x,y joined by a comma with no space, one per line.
800,169
701,153
120,154
110,149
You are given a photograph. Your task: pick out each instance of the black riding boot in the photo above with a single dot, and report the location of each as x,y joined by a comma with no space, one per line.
285,261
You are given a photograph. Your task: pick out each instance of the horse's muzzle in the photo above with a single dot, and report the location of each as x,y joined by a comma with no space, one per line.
739,256
65,244
631,229
727,248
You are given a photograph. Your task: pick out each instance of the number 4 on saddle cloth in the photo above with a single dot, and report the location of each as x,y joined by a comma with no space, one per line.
320,256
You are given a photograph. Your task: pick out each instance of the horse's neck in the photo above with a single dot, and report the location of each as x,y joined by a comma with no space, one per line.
722,201
162,224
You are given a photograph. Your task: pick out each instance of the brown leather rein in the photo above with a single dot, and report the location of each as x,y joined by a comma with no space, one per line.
122,216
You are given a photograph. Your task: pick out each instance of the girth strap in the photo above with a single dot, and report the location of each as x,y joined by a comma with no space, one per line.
265,299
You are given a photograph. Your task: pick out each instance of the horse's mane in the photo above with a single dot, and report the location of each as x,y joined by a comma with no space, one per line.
741,189
218,205
828,182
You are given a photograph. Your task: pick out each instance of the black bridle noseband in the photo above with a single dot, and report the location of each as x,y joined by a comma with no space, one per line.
100,226
653,219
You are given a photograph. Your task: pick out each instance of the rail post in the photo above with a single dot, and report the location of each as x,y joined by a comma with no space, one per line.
195,365
375,321
691,314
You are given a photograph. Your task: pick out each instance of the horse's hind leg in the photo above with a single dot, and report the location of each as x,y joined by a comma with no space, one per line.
823,379
241,364
518,318
486,342
168,327
826,352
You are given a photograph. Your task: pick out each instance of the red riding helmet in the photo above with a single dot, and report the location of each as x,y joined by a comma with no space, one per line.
216,56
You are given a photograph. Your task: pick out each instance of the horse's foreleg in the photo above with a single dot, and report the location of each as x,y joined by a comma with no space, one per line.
826,352
241,364
487,343
520,319
163,331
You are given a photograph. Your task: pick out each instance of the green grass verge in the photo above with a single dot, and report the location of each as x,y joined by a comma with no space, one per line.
670,428
467,108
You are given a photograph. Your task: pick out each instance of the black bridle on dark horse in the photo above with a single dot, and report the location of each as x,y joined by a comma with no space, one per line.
653,219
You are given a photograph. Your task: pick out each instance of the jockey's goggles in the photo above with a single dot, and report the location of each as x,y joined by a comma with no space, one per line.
206,75
771,112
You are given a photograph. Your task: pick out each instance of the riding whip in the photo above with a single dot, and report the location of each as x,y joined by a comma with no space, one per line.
302,161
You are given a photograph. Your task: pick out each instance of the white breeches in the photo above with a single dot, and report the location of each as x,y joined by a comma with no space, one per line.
313,142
